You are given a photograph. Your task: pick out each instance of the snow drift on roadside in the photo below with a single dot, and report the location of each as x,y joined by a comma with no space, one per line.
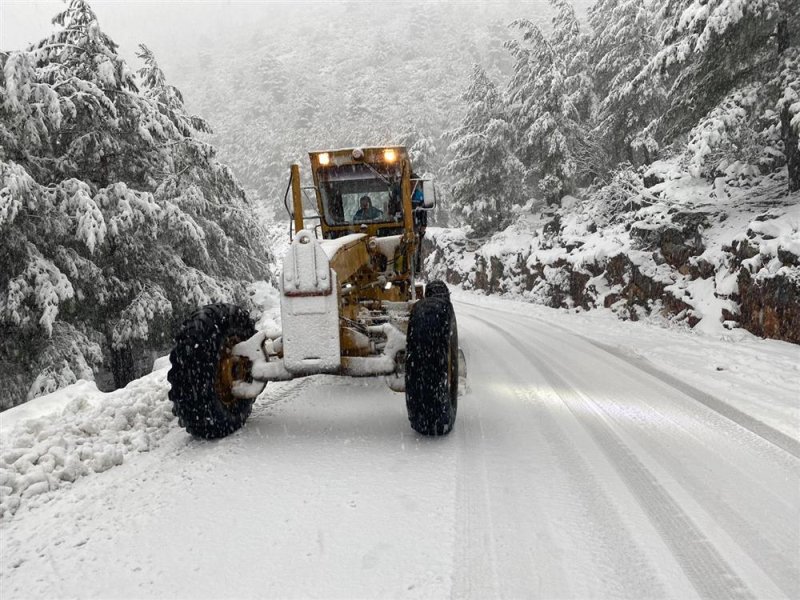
56,439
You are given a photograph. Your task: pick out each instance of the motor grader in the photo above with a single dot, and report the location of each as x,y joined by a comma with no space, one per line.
351,304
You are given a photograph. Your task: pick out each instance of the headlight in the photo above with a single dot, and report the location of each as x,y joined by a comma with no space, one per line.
389,155
324,158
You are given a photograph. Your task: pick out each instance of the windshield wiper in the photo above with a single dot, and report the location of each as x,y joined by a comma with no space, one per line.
383,178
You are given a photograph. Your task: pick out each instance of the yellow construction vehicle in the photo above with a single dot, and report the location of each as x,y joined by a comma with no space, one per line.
350,304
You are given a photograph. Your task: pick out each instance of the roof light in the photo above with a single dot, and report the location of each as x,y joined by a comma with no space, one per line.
324,158
389,155
358,154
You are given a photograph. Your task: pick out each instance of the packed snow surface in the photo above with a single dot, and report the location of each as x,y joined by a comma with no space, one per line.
591,458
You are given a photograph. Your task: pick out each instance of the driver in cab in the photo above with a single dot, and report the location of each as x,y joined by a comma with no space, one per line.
367,212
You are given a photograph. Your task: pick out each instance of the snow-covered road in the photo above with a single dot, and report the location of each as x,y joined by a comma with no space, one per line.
575,470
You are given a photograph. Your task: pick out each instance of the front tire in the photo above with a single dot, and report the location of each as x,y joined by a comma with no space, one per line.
432,367
201,373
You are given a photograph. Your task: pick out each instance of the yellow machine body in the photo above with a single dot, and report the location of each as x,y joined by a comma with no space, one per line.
348,293
372,259
354,262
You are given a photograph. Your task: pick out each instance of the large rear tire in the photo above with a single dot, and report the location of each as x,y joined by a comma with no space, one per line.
432,367
202,372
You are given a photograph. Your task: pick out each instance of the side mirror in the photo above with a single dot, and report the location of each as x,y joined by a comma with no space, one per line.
428,194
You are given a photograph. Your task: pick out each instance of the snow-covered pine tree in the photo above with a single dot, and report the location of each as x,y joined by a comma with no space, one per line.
115,221
487,176
715,51
787,88
428,160
423,154
551,98
624,40
168,98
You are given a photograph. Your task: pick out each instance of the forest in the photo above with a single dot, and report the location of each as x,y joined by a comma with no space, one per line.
506,106
121,211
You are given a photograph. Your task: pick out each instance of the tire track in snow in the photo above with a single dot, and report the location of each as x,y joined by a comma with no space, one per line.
481,579
759,428
593,548
707,570
492,559
767,543
280,392
767,547
567,536
606,534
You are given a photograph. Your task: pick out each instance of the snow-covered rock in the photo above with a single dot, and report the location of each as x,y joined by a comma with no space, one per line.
678,250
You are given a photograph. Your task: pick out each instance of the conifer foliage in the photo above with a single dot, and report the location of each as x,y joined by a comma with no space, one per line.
115,220
551,98
714,82
487,175
729,65
623,42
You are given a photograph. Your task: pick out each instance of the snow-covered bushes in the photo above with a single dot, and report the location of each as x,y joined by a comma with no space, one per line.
722,62
115,220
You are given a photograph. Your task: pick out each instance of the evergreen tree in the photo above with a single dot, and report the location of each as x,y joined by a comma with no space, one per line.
717,50
168,98
624,40
488,177
787,87
551,101
115,221
423,154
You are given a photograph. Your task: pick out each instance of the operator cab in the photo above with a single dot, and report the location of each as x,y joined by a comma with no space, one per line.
356,194
363,190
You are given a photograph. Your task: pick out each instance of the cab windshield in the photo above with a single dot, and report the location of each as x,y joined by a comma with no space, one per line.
353,194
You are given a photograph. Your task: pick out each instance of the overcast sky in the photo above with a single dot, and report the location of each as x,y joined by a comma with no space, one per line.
129,22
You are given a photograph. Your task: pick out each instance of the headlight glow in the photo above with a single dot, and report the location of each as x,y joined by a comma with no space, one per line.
389,155
324,158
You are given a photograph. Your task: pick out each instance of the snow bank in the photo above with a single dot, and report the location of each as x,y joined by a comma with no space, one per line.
56,439
53,440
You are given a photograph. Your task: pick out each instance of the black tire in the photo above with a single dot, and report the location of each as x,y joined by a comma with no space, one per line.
205,407
437,289
432,367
